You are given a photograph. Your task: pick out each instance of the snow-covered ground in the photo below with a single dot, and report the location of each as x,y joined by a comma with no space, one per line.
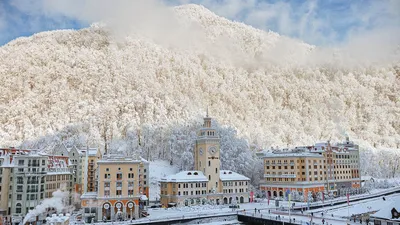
159,169
364,206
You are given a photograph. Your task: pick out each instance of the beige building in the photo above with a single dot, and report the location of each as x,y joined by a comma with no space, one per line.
207,183
294,171
320,168
122,191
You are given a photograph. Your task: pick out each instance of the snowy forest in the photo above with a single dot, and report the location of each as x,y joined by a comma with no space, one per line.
176,145
93,87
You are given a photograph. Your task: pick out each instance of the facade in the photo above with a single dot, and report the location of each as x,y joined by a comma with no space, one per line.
321,168
58,177
76,159
23,183
92,155
122,192
206,183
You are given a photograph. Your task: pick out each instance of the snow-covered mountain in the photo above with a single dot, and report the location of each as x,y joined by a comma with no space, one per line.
273,89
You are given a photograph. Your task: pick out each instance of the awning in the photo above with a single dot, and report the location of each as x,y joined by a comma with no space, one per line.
143,198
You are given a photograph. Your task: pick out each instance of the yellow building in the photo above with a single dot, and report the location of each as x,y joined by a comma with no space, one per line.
301,172
312,169
207,183
120,194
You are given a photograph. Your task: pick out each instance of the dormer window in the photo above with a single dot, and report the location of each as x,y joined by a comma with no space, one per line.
195,173
189,173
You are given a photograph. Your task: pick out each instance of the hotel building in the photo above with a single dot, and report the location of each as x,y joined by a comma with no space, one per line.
206,183
122,190
312,169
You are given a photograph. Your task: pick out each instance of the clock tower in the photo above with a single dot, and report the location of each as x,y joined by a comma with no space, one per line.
207,154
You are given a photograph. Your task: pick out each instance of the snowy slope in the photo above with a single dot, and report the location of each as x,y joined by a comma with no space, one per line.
274,90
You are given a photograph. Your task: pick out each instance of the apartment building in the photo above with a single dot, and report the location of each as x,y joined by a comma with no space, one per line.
81,173
76,160
22,175
58,176
323,167
122,192
207,183
92,155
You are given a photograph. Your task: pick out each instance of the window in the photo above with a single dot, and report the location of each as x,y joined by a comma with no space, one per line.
209,163
18,208
118,192
119,175
216,170
19,197
209,177
107,169
107,193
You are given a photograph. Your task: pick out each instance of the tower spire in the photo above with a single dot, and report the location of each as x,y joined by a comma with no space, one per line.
207,111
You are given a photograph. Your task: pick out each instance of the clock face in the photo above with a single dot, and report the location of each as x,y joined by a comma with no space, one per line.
212,150
201,151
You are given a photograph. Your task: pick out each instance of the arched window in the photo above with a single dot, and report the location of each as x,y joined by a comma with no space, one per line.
216,170
18,208
209,177
209,163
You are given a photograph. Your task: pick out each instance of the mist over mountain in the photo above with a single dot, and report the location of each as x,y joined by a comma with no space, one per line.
274,90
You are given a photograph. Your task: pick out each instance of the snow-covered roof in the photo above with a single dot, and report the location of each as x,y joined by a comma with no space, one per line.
89,195
291,154
186,176
92,152
385,212
143,198
227,175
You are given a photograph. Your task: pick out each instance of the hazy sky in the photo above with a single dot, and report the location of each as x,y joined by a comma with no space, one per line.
319,22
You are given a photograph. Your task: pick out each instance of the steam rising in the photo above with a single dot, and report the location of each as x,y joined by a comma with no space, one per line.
57,202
